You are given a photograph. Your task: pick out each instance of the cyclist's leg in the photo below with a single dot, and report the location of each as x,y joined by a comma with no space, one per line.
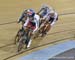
28,41
47,27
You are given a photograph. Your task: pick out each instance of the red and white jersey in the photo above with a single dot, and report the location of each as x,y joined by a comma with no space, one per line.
35,21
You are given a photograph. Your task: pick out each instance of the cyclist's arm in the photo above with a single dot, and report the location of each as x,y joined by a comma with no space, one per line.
39,10
22,16
26,22
37,23
36,26
20,19
55,17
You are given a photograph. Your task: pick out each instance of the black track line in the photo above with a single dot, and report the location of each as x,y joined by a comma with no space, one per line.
8,23
16,21
47,34
64,39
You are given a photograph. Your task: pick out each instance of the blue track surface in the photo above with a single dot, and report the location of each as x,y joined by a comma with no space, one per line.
49,52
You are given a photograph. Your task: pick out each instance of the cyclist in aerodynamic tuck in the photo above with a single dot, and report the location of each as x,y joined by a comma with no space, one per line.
50,20
32,22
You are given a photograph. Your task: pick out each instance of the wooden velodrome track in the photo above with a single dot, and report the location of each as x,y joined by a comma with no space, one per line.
10,10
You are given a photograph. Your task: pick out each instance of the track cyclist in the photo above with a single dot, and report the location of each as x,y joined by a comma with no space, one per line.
50,20
32,22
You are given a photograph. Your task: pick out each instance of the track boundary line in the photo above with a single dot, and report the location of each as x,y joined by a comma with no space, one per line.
37,47
47,34
16,21
8,23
